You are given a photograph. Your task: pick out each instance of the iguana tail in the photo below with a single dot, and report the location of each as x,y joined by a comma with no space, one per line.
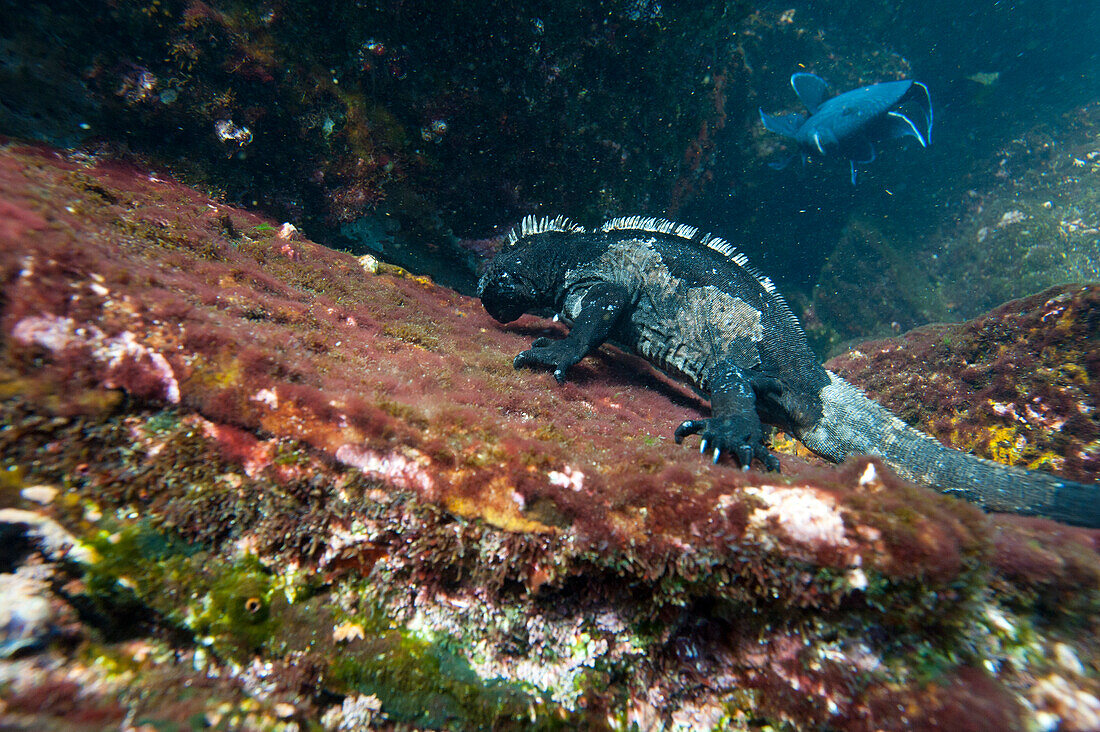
852,424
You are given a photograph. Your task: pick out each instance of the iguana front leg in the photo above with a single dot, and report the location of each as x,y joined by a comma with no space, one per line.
601,308
734,426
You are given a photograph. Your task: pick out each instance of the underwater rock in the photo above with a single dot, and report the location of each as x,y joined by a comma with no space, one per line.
315,487
1028,221
1018,385
332,115
31,614
868,286
1024,221
25,615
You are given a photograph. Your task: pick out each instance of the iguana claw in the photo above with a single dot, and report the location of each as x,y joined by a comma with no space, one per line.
743,437
548,353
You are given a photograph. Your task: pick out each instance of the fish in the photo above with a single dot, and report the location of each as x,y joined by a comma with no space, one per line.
851,124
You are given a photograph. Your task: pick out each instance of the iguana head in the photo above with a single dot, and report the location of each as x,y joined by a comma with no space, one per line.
527,275
506,291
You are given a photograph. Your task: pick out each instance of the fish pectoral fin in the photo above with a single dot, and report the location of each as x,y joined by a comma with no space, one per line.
898,125
782,124
920,90
861,151
811,90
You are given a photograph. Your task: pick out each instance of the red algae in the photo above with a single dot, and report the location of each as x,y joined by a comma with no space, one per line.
234,339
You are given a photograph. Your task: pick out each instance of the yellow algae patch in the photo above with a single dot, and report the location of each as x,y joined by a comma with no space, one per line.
1047,461
1005,444
209,374
373,265
783,443
499,505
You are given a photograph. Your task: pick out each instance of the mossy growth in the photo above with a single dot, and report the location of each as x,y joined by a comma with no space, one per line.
237,609
424,683
163,422
232,606
991,637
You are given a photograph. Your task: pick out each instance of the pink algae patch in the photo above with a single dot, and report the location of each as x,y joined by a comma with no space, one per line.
119,354
393,467
50,332
241,447
16,221
806,515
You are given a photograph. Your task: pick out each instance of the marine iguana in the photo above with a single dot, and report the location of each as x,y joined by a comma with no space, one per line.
850,124
691,305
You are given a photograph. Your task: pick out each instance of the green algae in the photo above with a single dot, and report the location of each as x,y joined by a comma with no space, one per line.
422,683
162,422
231,606
238,608
425,679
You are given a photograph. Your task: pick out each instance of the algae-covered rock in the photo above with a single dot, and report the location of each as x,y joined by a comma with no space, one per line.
1018,385
1029,221
308,490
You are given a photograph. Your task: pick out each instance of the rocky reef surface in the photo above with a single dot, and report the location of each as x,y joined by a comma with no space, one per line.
1018,385
252,482
1024,220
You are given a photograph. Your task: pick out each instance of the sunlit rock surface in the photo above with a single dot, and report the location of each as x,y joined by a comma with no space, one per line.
286,488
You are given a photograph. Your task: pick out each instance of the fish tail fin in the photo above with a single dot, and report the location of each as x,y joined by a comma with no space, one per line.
927,110
919,108
782,124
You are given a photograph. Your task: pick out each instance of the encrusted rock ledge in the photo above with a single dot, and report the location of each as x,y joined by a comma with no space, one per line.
252,481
